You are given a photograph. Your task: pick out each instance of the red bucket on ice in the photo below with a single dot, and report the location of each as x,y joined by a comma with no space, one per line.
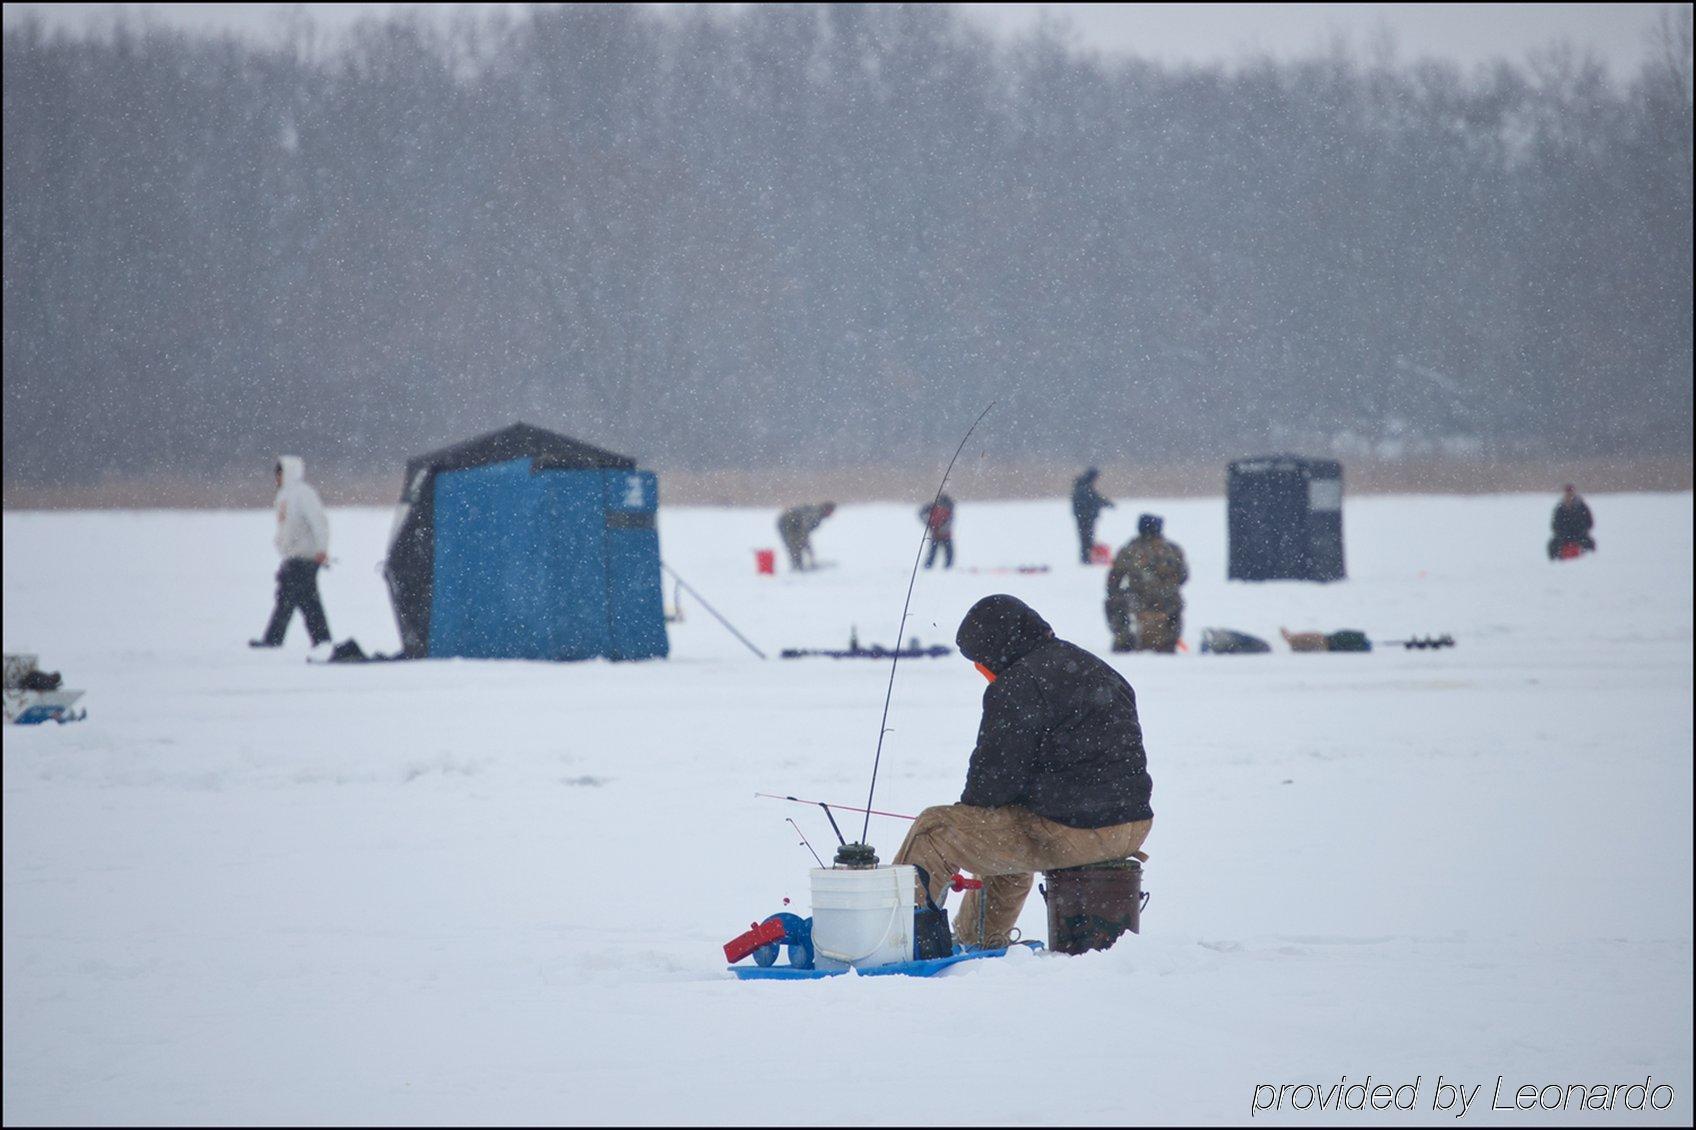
765,562
1100,555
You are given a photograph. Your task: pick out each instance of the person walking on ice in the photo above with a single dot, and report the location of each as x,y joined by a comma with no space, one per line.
1059,777
795,526
303,541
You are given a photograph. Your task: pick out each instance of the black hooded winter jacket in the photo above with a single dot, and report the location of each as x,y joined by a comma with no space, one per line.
1060,734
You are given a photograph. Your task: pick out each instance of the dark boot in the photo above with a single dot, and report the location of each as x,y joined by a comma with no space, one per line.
931,936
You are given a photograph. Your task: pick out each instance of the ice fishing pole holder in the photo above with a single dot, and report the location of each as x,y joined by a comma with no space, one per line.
855,857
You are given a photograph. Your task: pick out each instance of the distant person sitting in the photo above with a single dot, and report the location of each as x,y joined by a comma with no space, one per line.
1087,505
938,518
303,540
1145,610
795,526
1572,523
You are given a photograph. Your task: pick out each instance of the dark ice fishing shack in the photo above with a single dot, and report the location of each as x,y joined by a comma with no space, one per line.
1285,519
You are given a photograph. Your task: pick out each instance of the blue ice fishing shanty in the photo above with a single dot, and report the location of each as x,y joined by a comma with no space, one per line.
1285,519
526,544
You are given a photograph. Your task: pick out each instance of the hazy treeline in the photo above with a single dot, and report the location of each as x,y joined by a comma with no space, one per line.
824,236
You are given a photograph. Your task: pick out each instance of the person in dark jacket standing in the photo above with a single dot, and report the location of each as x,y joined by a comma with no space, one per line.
1572,523
1087,505
1058,778
938,518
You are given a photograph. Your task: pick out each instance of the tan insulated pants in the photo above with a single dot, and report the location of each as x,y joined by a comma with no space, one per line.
1003,847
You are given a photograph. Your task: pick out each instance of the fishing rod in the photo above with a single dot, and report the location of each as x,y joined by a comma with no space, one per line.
828,815
883,724
843,807
804,842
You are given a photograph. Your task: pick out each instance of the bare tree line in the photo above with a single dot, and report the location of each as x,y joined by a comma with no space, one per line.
809,235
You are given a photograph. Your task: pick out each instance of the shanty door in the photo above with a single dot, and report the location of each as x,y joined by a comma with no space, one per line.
635,606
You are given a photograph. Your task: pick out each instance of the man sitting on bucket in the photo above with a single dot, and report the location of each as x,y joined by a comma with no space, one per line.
1058,778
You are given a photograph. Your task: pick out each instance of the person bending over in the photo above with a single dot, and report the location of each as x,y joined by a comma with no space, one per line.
795,526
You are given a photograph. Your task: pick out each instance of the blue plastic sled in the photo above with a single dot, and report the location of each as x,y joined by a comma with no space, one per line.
929,967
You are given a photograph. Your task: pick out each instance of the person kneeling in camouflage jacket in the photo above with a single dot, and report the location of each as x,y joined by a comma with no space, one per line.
1144,584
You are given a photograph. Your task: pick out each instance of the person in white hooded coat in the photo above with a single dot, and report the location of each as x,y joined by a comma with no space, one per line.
303,541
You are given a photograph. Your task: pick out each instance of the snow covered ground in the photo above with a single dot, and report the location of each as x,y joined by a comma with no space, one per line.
251,890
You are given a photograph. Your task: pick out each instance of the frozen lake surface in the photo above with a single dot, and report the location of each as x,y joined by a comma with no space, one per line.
251,890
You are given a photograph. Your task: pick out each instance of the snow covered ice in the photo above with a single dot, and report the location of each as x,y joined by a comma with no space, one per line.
251,890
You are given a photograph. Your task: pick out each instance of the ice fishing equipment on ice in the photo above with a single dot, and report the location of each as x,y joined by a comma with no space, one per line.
913,650
1351,639
1347,639
806,843
912,578
1227,641
865,919
928,967
865,916
33,696
762,940
862,914
1423,643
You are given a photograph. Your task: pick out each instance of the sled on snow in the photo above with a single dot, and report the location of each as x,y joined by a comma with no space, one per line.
793,936
33,696
32,708
928,967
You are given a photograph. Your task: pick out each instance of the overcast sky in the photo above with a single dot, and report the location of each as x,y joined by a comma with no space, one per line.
1463,33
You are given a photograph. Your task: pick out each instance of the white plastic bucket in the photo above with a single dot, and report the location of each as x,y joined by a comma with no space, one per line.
863,918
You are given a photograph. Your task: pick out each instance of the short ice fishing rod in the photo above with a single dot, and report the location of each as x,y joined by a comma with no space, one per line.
883,724
804,842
